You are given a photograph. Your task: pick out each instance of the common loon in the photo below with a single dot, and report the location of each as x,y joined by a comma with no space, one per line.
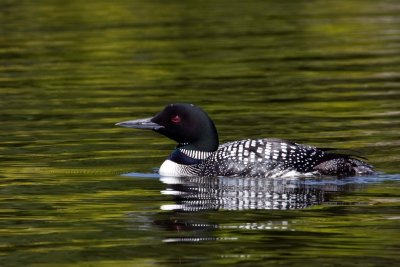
199,154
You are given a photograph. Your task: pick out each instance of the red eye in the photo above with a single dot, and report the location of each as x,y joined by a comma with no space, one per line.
176,119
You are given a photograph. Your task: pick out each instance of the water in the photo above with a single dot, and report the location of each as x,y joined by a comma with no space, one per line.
78,191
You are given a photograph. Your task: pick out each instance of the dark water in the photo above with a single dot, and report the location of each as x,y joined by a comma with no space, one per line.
78,191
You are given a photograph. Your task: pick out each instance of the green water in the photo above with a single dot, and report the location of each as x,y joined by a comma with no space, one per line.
78,191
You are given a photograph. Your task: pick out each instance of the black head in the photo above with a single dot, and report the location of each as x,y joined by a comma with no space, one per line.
187,124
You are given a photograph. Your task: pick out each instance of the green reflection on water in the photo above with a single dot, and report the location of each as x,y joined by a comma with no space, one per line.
316,72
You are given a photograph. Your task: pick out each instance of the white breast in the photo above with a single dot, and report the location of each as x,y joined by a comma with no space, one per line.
170,168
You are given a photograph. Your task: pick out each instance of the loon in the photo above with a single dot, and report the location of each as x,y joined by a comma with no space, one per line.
198,152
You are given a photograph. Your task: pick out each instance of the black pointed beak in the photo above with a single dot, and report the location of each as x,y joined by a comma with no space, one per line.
140,124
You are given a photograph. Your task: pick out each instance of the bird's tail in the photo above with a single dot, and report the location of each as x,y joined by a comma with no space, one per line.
343,165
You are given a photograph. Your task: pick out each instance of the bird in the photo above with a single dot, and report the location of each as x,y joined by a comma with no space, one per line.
198,152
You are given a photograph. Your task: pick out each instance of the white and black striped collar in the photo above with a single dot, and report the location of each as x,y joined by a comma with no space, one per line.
195,154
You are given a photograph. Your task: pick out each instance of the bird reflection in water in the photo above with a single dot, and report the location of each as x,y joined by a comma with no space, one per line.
193,196
236,193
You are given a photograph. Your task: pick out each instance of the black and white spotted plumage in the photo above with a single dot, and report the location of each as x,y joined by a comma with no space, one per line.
198,152
265,158
262,158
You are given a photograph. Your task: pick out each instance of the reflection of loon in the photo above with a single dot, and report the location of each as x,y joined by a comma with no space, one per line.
234,193
199,153
193,194
232,197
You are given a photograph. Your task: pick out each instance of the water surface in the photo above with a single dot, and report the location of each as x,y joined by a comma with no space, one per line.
78,191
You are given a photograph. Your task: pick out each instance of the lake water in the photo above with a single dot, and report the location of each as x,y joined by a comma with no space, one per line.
78,191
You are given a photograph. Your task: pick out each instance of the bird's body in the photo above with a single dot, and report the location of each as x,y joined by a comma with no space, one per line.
199,154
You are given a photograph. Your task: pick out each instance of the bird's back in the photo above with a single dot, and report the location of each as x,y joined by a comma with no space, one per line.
277,158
